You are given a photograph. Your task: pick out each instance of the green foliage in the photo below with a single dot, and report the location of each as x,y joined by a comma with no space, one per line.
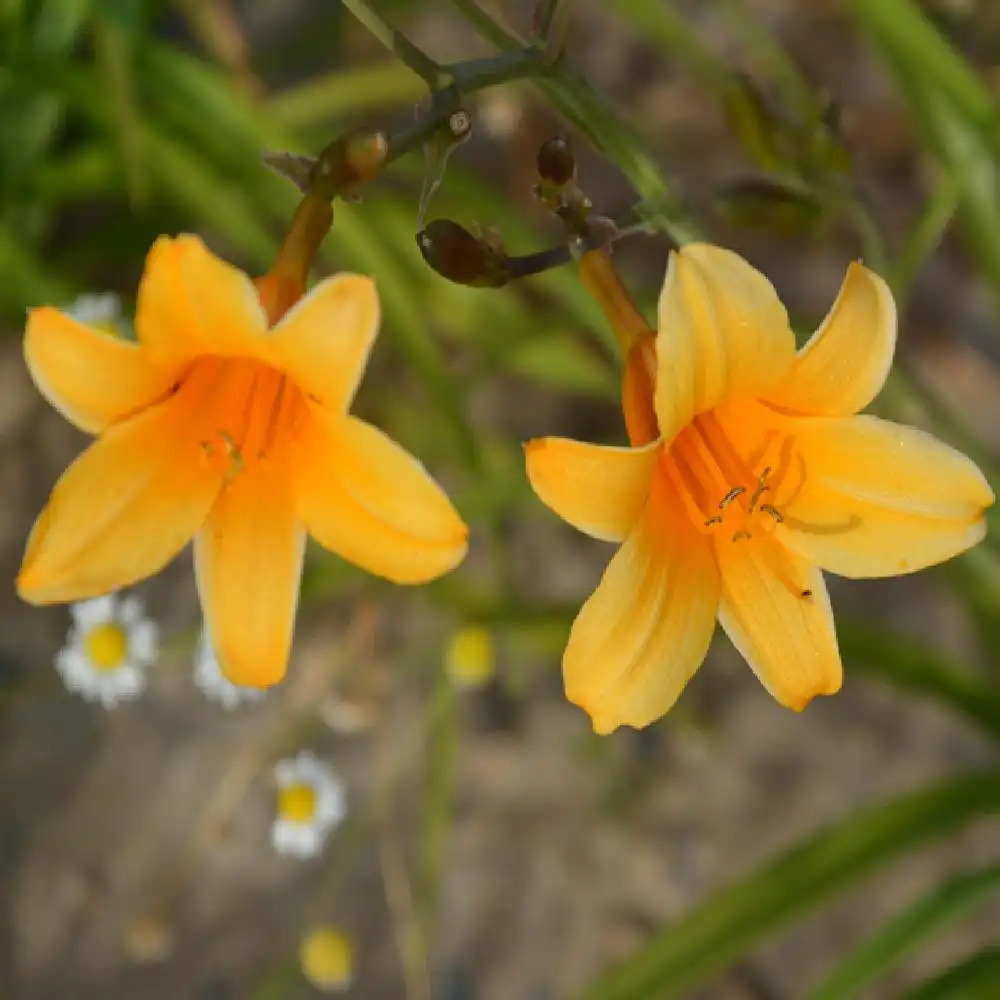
98,111
732,922
906,932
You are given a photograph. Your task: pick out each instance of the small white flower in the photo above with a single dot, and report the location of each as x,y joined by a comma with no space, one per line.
210,679
108,647
102,310
310,805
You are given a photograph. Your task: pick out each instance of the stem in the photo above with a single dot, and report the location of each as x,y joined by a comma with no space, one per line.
536,263
547,16
466,78
396,42
601,280
486,26
589,111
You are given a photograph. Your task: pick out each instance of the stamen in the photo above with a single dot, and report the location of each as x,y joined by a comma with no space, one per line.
741,536
237,464
713,520
773,511
806,593
761,489
736,491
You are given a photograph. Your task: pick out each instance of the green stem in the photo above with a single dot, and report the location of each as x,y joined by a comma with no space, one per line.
589,111
465,78
396,42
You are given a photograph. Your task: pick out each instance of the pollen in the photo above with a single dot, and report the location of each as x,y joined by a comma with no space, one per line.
106,646
297,803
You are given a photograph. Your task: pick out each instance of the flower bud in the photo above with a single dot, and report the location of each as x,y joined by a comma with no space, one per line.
349,161
556,163
461,257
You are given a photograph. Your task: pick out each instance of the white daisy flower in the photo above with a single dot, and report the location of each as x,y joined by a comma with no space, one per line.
310,805
108,647
102,310
210,679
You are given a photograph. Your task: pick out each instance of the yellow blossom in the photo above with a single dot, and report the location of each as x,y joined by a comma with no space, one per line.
470,657
327,958
227,422
749,474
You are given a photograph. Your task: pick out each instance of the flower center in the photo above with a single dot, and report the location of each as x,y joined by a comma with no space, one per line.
250,411
297,803
724,492
106,647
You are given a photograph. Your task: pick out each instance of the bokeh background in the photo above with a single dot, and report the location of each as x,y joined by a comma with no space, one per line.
494,847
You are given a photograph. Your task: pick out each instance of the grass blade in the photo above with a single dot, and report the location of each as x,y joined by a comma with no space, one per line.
734,921
906,932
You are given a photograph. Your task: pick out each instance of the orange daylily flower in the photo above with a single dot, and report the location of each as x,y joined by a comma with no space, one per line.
749,475
217,426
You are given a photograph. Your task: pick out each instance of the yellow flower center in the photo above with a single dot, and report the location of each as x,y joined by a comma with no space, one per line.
106,646
297,803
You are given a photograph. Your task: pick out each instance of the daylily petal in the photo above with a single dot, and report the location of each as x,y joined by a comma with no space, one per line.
844,365
638,391
598,489
92,378
192,303
880,499
125,507
722,333
646,629
776,610
248,563
324,340
362,496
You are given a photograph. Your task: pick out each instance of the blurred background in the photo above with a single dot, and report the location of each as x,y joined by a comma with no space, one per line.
492,847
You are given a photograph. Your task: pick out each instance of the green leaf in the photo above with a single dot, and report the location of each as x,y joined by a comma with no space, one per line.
348,92
907,931
976,978
734,921
957,117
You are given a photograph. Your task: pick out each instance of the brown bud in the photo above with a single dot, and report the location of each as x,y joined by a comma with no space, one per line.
461,257
349,161
556,163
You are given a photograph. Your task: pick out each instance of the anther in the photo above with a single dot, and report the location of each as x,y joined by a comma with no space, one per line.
773,511
235,455
806,593
736,491
741,536
713,520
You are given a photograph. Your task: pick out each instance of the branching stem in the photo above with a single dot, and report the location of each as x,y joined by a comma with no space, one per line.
434,75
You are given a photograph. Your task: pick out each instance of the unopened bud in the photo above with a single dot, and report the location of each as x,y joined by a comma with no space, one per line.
349,161
459,256
556,163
